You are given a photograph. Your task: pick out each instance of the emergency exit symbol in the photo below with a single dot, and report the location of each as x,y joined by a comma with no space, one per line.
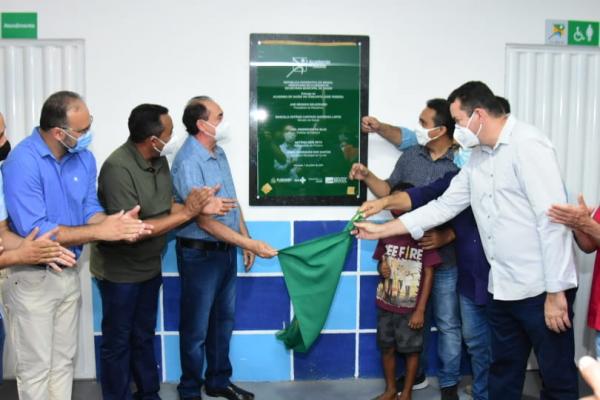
583,33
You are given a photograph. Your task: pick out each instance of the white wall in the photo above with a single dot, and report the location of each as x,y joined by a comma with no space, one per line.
167,52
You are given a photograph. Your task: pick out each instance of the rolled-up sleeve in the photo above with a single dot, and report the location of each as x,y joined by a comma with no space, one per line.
454,200
540,179
409,139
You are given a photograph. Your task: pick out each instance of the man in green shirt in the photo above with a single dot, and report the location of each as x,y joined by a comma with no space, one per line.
129,274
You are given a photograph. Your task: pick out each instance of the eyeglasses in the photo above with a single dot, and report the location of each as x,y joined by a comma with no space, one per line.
80,132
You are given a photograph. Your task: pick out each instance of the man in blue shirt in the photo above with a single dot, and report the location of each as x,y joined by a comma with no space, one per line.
206,258
50,183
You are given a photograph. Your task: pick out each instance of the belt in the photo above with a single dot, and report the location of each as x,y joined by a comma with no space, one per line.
208,245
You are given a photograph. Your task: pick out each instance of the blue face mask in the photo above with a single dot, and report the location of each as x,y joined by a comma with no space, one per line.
461,156
82,142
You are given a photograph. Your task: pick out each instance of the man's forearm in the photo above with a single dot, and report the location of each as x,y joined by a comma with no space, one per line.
379,187
166,223
75,235
391,133
397,201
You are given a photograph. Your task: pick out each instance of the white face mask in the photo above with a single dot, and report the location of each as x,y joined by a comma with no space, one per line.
423,135
168,148
465,136
221,131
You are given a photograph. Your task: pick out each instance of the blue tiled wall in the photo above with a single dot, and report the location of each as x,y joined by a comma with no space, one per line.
347,347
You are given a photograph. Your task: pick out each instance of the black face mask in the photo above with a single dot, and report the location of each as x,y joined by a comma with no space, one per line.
4,150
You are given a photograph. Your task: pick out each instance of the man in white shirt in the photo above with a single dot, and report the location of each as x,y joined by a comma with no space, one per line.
511,180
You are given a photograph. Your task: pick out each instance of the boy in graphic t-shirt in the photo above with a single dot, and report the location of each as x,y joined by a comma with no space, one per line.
407,277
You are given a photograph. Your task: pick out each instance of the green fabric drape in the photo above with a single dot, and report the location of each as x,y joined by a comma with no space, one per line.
312,271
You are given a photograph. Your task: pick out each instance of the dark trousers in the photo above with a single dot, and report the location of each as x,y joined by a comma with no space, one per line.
127,351
207,315
516,326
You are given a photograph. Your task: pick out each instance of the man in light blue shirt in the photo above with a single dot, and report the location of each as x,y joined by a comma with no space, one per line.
206,258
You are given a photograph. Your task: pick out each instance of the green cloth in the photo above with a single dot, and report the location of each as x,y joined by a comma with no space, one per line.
312,271
125,180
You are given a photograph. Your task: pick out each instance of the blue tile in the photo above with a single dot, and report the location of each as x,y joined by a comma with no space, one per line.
369,356
157,355
96,306
169,257
262,303
172,362
259,358
171,296
367,248
342,314
368,308
306,230
275,233
331,357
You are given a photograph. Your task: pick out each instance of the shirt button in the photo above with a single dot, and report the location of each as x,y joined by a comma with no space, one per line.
490,196
492,175
489,237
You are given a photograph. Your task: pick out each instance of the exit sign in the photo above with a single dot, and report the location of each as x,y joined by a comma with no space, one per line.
19,25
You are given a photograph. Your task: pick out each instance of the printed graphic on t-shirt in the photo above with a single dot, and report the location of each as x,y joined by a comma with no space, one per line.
401,289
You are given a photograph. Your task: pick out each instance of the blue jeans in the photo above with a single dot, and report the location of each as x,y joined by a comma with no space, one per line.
207,315
2,337
476,333
127,350
518,325
597,345
445,311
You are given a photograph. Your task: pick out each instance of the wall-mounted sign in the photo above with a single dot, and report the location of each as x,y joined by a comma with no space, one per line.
307,96
576,33
19,25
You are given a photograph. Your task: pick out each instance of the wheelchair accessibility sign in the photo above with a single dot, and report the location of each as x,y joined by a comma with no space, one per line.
583,33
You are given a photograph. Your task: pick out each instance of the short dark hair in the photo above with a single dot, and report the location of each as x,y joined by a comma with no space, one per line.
504,104
401,187
144,122
195,110
475,94
55,108
442,115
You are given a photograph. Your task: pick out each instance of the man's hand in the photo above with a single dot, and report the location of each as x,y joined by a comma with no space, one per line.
44,250
384,269
248,257
262,249
436,238
123,226
197,199
359,172
575,217
417,319
556,312
372,207
368,230
370,124
219,206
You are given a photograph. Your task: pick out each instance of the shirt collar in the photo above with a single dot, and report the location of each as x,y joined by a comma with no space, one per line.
203,152
152,165
507,130
424,152
42,148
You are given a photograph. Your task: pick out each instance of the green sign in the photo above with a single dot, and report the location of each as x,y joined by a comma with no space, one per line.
19,25
308,94
583,33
